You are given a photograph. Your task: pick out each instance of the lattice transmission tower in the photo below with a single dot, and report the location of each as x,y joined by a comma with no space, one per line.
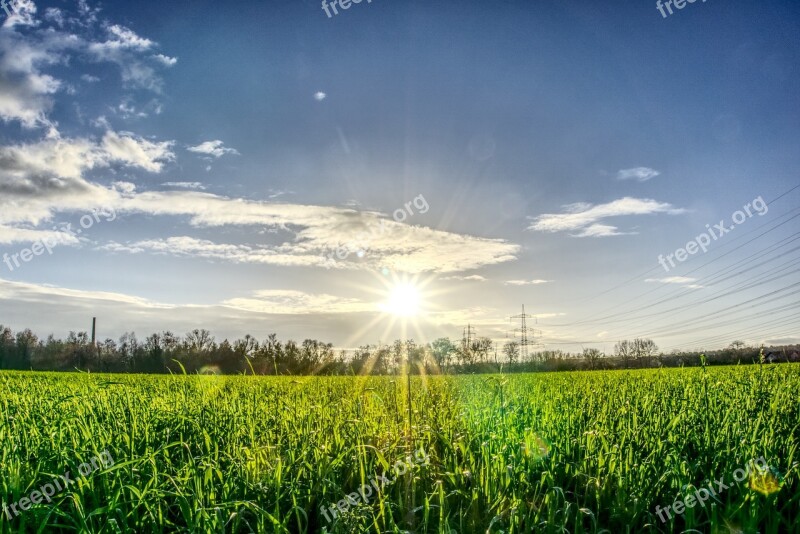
527,336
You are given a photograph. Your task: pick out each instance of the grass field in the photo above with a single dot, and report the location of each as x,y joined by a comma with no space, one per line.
569,452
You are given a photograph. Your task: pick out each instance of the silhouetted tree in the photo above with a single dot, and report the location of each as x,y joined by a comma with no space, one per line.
624,350
511,351
442,351
592,356
26,343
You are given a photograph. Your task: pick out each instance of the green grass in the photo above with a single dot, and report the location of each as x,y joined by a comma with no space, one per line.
568,452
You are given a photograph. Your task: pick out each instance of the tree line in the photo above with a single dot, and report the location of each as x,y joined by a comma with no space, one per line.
199,352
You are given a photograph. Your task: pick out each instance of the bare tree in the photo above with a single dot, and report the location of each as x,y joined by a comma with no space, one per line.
482,347
624,349
511,350
465,354
592,356
644,349
199,341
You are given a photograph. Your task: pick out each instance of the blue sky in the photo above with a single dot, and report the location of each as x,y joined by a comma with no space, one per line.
554,152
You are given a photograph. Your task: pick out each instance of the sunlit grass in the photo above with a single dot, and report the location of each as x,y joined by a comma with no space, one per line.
572,452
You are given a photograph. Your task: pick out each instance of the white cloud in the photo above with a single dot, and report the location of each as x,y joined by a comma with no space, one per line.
319,96
672,280
37,179
55,15
26,91
125,188
127,50
402,248
683,280
58,310
137,151
470,278
185,246
185,185
127,110
43,293
165,60
101,122
640,174
43,178
526,282
124,38
9,235
299,303
600,230
585,218
213,148
22,14
40,179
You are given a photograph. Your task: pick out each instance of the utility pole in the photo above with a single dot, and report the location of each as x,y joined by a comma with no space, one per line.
527,335
93,349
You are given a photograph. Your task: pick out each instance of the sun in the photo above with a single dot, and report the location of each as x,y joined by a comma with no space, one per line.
404,300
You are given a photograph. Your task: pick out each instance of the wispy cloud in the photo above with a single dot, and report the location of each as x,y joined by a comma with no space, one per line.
470,278
185,246
185,185
672,280
121,312
213,148
27,91
319,229
682,280
584,219
127,50
28,292
526,282
165,60
10,234
292,302
640,174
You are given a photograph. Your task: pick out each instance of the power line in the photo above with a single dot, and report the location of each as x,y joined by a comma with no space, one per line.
729,242
650,305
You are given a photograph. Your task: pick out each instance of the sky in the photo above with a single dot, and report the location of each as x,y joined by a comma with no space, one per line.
402,169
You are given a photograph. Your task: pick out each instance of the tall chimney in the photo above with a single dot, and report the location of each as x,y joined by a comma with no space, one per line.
94,328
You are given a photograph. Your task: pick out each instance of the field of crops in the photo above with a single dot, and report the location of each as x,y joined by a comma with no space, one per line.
569,452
